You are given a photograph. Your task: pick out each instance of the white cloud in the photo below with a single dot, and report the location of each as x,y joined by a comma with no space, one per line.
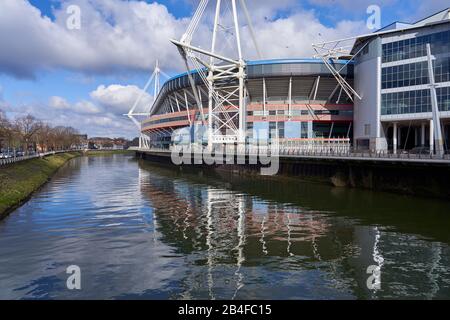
119,99
59,103
86,107
127,36
131,35
82,115
80,107
115,35
292,36
103,116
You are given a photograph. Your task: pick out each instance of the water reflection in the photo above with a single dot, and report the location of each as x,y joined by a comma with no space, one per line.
148,232
270,249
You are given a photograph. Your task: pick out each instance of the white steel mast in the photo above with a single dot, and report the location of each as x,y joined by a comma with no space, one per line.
155,78
224,77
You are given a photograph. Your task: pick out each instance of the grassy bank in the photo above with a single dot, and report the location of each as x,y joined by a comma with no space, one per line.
20,180
107,152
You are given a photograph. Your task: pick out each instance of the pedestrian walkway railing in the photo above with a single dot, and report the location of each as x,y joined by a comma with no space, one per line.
11,160
330,150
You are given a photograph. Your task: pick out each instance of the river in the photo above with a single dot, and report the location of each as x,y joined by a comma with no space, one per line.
140,231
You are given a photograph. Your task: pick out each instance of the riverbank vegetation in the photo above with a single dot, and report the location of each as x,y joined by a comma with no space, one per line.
108,152
26,134
20,180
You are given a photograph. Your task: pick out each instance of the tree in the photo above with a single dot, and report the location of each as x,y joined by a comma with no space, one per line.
27,128
57,137
4,124
28,131
63,138
44,138
71,137
7,134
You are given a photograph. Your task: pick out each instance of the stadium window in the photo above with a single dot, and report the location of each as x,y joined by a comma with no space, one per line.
281,130
304,130
367,129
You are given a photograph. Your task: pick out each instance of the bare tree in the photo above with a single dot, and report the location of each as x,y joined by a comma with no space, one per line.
44,138
7,134
64,137
58,137
73,137
27,128
4,125
28,131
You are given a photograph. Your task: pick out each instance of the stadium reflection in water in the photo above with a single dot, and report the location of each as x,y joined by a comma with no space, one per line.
141,231
255,239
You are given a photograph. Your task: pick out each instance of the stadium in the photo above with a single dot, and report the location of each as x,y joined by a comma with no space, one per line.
383,92
300,99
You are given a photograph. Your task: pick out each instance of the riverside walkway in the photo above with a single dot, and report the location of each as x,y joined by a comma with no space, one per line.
11,160
345,155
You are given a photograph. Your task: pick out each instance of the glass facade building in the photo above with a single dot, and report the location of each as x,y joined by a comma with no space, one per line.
398,72
405,75
443,96
393,111
415,101
416,47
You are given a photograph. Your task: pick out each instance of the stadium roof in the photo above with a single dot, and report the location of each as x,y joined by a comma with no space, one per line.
275,68
271,62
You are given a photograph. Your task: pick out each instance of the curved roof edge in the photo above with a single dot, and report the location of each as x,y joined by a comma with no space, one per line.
272,61
292,60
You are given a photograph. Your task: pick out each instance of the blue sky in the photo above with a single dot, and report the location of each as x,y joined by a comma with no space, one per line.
88,78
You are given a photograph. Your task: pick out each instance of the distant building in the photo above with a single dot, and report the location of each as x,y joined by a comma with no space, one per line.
83,142
103,143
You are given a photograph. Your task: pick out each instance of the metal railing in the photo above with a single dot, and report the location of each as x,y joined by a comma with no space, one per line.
350,153
339,150
315,146
4,162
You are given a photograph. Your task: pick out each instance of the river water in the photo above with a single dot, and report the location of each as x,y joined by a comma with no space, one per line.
139,231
